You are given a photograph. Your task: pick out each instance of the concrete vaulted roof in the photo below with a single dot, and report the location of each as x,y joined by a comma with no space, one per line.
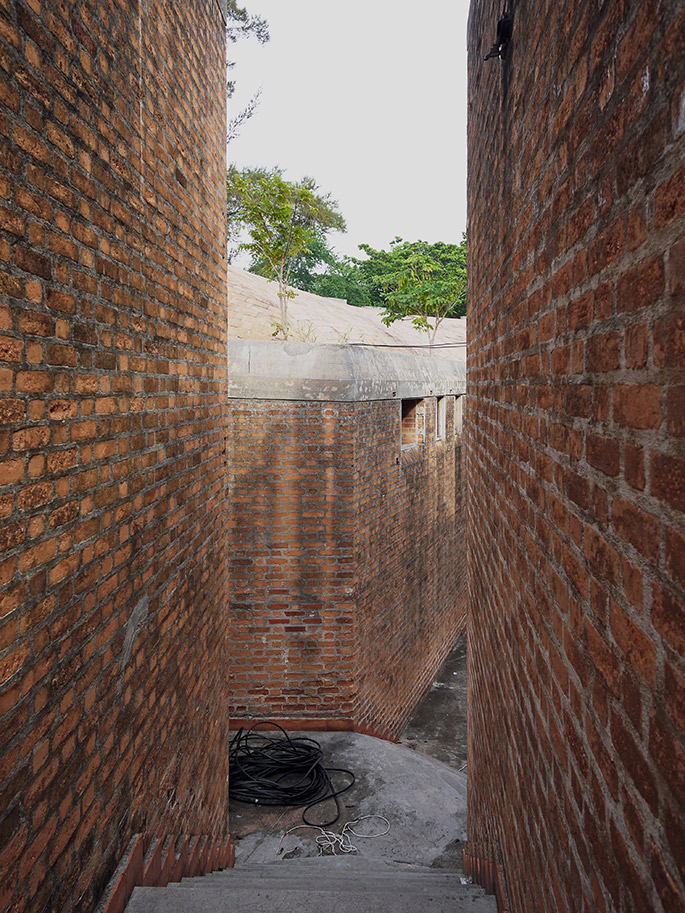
261,369
254,312
336,352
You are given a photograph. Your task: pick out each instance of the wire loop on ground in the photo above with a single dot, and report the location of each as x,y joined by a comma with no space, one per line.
332,844
266,769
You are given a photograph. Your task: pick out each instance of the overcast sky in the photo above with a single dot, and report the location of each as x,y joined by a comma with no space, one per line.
368,97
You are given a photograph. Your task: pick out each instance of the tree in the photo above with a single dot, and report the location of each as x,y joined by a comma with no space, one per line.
283,220
343,279
318,269
306,266
415,279
241,24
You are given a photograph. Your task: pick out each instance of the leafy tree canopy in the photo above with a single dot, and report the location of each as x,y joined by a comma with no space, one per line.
342,280
319,270
410,270
411,279
307,265
283,219
416,279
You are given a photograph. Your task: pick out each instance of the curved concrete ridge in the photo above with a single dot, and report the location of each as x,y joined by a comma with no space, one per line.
279,370
423,799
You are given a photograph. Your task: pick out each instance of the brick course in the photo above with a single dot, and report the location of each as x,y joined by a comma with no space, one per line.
575,462
112,492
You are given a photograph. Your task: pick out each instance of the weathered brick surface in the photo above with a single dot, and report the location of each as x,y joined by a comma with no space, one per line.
410,543
344,599
575,466
112,494
291,562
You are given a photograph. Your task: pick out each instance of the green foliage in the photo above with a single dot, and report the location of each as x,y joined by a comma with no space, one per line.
241,24
306,266
412,279
416,279
343,280
283,220
317,269
424,281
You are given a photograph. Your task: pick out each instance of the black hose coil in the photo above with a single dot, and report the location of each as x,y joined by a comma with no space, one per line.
266,769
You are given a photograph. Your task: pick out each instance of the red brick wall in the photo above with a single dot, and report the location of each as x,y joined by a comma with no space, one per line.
291,563
344,600
410,598
576,468
112,497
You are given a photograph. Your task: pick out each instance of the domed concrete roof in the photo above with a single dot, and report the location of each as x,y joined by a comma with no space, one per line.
254,312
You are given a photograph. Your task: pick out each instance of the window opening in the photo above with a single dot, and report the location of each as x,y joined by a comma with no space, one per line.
458,414
410,422
441,418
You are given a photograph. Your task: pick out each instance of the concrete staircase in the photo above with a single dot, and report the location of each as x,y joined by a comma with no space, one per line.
312,885
413,868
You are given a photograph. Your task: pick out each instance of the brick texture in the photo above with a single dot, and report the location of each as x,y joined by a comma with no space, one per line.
575,467
112,491
412,567
344,597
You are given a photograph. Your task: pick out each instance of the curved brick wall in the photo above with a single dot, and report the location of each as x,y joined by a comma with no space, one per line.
575,468
112,494
410,544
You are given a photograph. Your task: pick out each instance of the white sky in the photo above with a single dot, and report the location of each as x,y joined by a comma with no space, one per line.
368,97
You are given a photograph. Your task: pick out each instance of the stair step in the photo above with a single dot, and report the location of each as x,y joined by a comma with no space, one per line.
325,868
325,885
310,885
353,898
351,862
210,881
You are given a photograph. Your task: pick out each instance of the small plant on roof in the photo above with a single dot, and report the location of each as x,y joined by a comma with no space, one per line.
282,219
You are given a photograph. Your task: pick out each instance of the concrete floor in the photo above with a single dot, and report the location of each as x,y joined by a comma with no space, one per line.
438,725
416,785
423,801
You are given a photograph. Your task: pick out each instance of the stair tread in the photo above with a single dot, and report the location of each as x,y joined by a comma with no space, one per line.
334,863
373,883
435,898
290,870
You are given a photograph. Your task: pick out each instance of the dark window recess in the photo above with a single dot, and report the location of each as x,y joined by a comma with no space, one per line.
410,423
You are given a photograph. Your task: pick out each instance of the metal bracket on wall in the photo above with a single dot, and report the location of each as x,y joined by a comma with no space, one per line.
505,27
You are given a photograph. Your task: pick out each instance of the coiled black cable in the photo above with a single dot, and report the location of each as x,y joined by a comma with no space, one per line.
266,769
